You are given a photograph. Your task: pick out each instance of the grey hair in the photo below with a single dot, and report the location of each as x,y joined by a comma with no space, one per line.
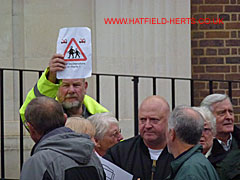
212,99
187,123
102,121
207,116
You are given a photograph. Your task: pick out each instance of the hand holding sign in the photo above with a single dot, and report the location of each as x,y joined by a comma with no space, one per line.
56,63
75,45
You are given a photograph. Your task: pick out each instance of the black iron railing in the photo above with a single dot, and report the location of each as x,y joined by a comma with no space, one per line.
135,80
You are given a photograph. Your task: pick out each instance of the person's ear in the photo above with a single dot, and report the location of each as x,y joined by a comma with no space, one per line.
94,141
85,85
65,117
33,133
97,143
172,133
30,127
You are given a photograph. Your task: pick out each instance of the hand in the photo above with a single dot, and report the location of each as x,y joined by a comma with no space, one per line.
56,63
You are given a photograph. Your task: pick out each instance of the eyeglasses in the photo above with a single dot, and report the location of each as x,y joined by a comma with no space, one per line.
116,133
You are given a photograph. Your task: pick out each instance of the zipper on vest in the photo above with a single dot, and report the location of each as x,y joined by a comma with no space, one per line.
154,164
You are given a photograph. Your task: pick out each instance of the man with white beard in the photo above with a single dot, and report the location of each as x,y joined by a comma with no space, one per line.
71,93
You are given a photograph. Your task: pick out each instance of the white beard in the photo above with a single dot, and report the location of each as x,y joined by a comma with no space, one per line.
70,105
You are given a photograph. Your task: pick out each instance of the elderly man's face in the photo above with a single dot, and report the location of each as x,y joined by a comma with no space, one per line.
153,117
71,92
223,111
206,139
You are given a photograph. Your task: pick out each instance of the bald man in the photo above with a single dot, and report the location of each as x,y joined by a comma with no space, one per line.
146,156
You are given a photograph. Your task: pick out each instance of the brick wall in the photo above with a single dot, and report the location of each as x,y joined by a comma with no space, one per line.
216,48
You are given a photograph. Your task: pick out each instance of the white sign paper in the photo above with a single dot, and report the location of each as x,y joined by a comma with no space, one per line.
75,44
114,172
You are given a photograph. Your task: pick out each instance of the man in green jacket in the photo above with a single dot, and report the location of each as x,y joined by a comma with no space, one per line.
185,127
71,93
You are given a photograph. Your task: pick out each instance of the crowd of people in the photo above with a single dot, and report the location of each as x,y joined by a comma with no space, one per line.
70,130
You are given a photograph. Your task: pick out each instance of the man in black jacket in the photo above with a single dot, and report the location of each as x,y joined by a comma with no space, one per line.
146,156
227,141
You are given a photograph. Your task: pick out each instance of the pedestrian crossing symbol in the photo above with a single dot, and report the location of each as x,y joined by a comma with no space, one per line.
73,52
74,43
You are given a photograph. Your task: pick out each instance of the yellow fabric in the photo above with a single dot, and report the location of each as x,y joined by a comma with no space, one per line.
47,88
93,106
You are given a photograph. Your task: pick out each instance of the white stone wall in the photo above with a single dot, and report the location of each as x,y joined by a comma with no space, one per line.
142,49
29,30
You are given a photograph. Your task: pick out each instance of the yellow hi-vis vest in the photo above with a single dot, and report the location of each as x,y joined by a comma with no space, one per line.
46,88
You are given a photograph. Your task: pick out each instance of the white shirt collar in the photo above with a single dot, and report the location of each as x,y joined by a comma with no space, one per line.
208,153
227,146
155,153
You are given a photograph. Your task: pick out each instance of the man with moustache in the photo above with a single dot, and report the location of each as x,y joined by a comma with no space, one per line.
225,154
146,156
71,93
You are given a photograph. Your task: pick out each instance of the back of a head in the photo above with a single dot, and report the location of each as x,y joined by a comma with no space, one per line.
81,125
187,123
102,121
45,114
211,99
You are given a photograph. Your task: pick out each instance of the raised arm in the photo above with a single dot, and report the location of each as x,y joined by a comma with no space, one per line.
47,85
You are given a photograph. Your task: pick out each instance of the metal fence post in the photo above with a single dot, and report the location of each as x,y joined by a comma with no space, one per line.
192,92
116,98
210,87
21,124
154,86
2,126
230,90
97,88
135,97
173,93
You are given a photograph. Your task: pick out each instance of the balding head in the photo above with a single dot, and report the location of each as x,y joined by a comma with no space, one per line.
187,123
159,101
44,114
153,115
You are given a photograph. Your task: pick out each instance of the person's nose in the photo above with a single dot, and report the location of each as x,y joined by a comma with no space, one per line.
229,115
148,124
71,89
120,137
